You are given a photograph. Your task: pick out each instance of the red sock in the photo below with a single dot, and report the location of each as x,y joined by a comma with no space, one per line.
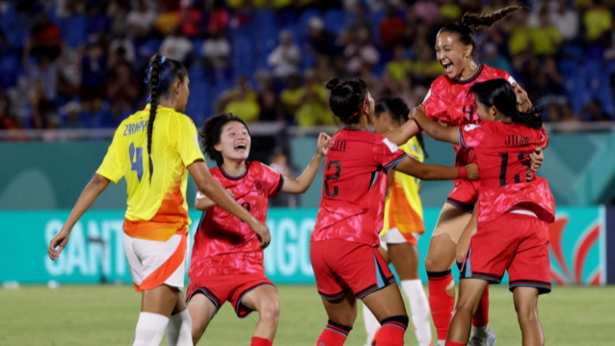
334,334
442,305
256,341
452,343
392,331
481,318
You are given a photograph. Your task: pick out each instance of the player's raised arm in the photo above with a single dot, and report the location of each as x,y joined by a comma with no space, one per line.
403,133
307,177
435,130
206,183
91,192
423,171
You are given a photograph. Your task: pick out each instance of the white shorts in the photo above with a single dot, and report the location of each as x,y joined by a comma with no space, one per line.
394,236
154,263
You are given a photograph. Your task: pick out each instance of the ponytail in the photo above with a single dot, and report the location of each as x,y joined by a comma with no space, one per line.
154,96
531,118
475,21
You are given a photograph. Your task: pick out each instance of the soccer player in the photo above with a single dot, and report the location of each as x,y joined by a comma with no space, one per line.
514,207
227,261
154,149
344,242
448,102
403,224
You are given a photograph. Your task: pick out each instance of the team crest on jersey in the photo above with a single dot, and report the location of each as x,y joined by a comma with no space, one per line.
258,184
470,127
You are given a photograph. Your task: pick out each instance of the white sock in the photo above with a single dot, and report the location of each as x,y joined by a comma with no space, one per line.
179,329
150,329
371,324
419,306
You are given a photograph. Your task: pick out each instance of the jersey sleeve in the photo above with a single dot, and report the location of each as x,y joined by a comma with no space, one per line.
388,154
471,135
112,166
187,141
435,107
274,181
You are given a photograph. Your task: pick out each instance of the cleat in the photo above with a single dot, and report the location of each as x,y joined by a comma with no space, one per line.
483,338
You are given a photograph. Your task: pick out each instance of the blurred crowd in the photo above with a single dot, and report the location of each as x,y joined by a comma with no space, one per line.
81,63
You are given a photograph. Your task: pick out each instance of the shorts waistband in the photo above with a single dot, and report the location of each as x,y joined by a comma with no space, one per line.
523,212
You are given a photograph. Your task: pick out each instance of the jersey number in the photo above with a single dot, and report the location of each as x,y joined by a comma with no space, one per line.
504,167
136,160
337,166
469,112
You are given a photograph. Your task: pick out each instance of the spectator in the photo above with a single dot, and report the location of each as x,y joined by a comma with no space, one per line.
7,121
592,111
450,11
313,111
122,89
553,112
322,41
370,79
553,81
44,39
493,58
141,21
566,20
568,114
127,46
267,97
98,22
426,69
241,101
359,52
216,51
168,21
546,40
41,107
69,75
323,71
71,117
93,78
391,28
597,20
46,74
285,58
117,11
520,36
190,21
427,11
360,20
290,98
176,46
218,17
400,65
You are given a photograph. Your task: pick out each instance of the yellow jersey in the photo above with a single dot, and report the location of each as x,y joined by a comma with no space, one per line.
403,208
157,207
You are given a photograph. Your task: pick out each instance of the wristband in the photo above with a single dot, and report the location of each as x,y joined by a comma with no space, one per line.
462,172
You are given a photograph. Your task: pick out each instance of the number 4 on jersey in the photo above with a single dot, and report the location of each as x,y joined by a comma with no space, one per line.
136,160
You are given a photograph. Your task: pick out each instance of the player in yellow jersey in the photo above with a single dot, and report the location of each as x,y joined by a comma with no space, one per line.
154,149
403,224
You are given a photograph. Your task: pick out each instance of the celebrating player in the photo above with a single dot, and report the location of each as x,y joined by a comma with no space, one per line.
403,224
448,102
513,208
344,242
227,262
152,149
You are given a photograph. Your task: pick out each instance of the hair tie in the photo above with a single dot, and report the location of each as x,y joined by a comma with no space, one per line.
162,60
359,110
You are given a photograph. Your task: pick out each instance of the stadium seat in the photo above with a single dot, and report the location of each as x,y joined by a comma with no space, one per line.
74,30
335,21
243,56
9,67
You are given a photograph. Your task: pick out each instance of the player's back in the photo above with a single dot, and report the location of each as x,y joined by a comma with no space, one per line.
449,102
503,153
354,186
156,204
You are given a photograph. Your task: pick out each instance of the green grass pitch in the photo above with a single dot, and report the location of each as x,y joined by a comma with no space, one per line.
106,315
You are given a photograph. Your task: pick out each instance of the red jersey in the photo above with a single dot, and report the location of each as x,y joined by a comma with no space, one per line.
502,151
448,102
225,245
354,186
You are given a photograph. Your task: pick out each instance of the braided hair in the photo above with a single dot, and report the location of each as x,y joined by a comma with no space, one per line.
160,76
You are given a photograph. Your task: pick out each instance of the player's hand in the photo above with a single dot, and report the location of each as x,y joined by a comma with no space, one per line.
230,192
262,233
323,144
413,112
57,244
536,157
472,171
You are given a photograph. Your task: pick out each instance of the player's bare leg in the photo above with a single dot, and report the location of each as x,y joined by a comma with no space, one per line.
389,308
440,257
405,258
266,301
157,305
202,310
526,305
371,323
342,314
470,293
179,329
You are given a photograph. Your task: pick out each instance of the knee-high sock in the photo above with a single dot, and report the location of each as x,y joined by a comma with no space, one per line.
179,329
419,307
150,329
442,305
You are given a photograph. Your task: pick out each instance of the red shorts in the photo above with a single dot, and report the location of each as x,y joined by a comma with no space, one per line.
340,265
513,242
232,288
464,194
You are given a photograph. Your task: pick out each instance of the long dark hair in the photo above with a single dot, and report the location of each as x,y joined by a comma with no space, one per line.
499,93
161,73
347,99
473,21
211,132
398,110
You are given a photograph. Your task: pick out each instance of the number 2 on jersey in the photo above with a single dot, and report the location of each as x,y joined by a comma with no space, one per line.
336,166
136,160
